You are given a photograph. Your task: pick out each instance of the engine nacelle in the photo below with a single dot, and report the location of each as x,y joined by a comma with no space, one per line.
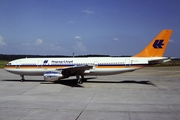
52,76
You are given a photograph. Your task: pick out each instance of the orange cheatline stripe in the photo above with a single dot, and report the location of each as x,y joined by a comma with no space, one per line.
138,66
110,66
58,67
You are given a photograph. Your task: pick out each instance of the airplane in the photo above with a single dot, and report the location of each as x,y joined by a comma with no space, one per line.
55,69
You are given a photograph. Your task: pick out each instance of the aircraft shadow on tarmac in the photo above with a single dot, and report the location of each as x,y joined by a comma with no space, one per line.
73,82
125,81
70,82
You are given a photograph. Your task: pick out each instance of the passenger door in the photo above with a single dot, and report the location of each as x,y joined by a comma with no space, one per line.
127,62
40,64
18,64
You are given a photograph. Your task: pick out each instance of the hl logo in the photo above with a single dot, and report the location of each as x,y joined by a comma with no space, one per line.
158,44
45,61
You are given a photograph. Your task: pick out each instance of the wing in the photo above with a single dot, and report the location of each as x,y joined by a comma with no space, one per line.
75,70
159,61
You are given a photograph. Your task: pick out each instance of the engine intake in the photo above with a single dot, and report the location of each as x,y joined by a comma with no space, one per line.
52,76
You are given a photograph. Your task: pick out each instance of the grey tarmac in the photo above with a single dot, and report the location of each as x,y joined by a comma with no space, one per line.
152,93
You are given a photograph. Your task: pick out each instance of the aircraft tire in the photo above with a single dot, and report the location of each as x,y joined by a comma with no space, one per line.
80,82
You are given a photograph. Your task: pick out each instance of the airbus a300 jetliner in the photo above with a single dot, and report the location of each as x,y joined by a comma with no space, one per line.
54,69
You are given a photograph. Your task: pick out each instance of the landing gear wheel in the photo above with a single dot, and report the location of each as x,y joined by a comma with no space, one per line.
80,81
22,78
83,79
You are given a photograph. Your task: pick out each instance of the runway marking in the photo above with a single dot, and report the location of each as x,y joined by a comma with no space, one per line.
85,107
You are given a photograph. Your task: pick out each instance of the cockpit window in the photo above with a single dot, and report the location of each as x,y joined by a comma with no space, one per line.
8,64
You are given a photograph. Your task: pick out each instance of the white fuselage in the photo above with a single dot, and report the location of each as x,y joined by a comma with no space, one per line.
101,65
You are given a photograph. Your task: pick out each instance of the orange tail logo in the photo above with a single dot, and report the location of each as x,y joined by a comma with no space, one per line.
157,46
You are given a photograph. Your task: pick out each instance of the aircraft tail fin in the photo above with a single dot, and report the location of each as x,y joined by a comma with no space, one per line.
157,46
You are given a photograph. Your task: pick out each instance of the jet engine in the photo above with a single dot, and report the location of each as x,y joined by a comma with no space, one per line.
52,76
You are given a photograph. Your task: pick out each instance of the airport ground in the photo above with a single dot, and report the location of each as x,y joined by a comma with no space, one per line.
151,93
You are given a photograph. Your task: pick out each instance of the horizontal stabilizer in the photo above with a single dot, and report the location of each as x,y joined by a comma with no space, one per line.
159,61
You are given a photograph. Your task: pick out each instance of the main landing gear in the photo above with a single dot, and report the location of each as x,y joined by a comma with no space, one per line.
22,78
80,80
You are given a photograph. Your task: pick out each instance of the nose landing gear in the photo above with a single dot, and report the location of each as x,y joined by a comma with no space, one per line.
22,78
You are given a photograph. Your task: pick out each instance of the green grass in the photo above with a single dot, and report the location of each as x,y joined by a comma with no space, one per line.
3,63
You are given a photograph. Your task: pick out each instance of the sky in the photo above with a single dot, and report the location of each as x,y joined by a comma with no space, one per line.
107,27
